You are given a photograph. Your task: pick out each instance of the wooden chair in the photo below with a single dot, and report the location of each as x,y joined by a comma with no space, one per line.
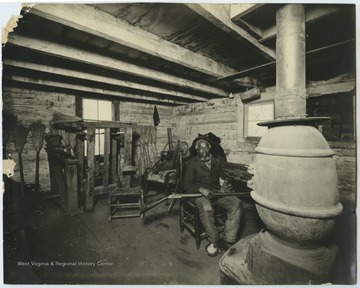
190,220
127,199
166,170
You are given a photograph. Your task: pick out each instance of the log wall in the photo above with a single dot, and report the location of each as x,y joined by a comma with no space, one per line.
225,118
30,106
345,160
142,114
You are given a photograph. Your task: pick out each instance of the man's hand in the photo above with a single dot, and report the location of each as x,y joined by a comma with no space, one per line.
251,170
206,193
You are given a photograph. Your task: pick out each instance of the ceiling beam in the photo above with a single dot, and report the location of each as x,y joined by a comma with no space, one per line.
271,65
237,10
91,20
81,88
310,16
78,55
101,79
340,84
328,89
219,15
254,31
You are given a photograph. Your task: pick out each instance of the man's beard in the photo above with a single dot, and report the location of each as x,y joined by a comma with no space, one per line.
205,158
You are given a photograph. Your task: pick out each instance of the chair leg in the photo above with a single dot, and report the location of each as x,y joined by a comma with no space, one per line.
223,279
110,214
166,192
181,219
197,241
197,230
142,204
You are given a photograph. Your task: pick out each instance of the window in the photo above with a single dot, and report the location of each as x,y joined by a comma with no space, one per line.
97,110
254,114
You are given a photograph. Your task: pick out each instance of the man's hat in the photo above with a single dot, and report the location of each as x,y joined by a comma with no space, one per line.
201,137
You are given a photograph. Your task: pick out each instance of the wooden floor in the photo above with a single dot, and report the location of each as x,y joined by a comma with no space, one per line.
55,248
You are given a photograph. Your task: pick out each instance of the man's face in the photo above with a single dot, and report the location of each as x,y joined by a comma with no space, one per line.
203,150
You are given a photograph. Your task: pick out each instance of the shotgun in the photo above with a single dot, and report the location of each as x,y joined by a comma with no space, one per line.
181,196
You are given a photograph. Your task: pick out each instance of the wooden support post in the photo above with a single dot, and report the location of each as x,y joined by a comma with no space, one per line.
52,141
113,163
116,110
80,183
89,195
71,187
57,183
170,140
119,167
127,155
106,157
79,106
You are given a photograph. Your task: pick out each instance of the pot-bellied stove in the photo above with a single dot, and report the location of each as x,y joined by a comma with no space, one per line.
295,180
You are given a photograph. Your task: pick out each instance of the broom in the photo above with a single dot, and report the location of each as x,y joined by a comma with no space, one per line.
37,131
20,134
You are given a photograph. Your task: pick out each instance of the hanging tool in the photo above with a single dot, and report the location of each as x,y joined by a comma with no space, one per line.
20,134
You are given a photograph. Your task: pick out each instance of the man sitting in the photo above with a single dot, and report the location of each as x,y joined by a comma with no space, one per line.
203,174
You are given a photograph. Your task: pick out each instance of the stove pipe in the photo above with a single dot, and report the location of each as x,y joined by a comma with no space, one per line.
290,99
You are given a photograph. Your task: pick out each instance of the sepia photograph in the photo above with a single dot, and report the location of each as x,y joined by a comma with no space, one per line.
186,143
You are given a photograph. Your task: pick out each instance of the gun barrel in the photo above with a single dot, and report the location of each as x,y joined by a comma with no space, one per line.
193,195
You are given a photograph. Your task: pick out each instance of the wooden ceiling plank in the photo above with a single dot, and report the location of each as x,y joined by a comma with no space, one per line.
78,55
88,19
81,88
101,79
219,15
